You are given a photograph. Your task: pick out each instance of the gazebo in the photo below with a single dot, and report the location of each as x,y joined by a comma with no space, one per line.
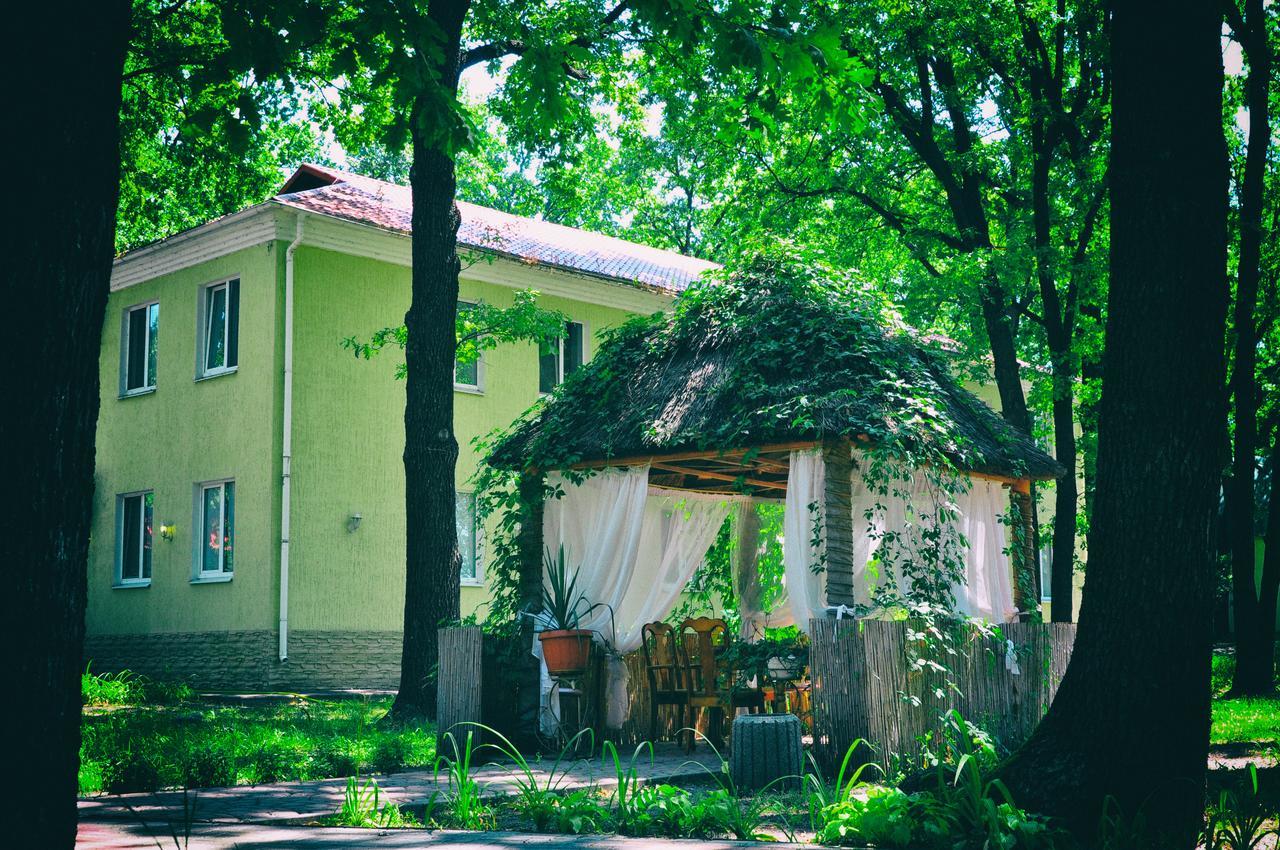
776,383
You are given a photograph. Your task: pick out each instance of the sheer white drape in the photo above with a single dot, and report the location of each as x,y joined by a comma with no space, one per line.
987,589
634,549
679,529
805,484
599,523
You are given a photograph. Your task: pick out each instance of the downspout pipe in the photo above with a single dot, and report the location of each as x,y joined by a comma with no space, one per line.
286,442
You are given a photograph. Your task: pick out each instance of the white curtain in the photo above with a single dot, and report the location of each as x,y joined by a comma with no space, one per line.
806,482
599,523
634,549
679,529
987,589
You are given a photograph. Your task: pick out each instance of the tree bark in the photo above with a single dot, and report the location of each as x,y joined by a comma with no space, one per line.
1269,594
432,561
56,274
1254,625
1144,632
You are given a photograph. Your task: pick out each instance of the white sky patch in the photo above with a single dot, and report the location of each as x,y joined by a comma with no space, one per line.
479,85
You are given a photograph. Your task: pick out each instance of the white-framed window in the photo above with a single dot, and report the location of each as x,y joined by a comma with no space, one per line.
1046,573
468,538
468,377
138,339
215,522
134,515
218,347
565,356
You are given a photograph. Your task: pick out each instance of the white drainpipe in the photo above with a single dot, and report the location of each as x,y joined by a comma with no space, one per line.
286,455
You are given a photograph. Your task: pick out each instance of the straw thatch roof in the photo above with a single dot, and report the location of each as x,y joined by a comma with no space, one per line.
769,355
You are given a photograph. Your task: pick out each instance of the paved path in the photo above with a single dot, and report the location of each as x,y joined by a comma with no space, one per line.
139,836
306,801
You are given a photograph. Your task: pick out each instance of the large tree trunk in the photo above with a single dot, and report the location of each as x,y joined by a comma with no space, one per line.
64,89
1255,648
1144,633
1269,595
432,562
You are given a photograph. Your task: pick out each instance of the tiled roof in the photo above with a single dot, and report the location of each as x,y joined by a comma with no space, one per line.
389,206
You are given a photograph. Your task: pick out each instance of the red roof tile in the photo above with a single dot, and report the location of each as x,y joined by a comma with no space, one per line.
388,205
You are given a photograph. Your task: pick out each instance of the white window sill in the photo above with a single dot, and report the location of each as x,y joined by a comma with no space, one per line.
137,392
471,582
217,373
131,583
213,578
469,389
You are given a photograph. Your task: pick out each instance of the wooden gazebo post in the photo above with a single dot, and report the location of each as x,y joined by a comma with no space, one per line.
837,520
1024,554
529,544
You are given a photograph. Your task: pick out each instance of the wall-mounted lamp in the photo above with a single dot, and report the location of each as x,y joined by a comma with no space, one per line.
353,522
166,532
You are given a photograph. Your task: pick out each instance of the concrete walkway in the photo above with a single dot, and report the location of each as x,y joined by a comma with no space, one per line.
137,836
301,802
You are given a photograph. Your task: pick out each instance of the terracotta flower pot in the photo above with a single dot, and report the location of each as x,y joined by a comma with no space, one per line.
567,653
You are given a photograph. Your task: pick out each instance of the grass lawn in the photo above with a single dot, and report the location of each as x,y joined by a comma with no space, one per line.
164,737
1246,720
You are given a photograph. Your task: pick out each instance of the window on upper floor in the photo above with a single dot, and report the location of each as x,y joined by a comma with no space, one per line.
134,514
219,344
562,359
216,519
138,342
467,376
468,537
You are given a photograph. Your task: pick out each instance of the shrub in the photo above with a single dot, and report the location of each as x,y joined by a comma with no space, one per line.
132,770
209,767
276,761
122,688
391,754
576,813
882,818
338,757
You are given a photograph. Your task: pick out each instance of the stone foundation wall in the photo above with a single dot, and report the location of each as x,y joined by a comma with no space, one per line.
247,660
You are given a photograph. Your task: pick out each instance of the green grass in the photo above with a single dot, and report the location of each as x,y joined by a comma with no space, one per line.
1246,719
143,747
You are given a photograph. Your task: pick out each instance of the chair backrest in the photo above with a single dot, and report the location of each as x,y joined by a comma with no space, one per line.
663,660
703,640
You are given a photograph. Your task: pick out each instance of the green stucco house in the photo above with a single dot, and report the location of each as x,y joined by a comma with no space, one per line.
248,527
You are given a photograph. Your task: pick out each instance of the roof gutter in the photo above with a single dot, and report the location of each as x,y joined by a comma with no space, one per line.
286,442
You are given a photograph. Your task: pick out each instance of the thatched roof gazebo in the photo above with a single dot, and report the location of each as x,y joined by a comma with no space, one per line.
752,370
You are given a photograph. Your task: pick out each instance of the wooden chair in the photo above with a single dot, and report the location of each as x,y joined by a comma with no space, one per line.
665,666
710,679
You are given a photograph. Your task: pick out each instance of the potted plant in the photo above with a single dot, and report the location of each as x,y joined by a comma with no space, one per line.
566,649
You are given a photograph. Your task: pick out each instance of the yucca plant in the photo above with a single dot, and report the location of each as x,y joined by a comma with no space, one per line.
1238,821
563,605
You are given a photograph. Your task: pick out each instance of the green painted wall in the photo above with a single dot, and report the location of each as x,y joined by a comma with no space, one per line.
185,432
349,435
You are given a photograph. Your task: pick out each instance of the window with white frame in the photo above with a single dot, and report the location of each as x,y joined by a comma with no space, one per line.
134,514
216,519
466,376
138,348
1046,573
468,537
564,356
220,327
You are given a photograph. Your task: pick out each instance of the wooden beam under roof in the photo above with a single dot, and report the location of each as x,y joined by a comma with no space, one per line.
717,476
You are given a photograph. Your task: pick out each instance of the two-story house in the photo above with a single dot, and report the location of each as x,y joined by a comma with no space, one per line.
248,527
